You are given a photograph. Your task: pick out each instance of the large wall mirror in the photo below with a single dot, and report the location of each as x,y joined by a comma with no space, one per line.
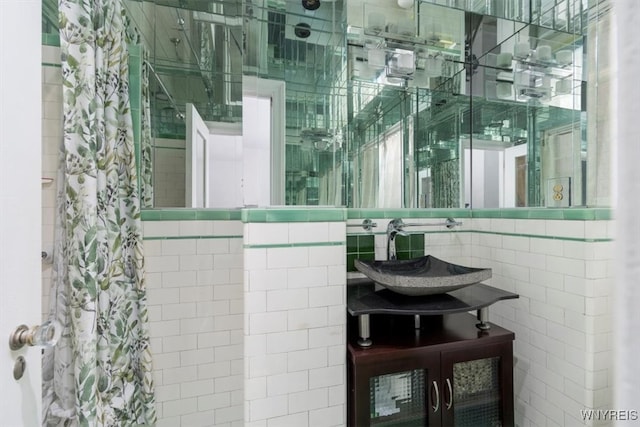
371,104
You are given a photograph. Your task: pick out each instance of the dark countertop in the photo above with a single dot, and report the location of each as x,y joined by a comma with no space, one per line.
362,298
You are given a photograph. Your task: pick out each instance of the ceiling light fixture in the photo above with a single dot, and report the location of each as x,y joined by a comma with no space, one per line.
405,4
302,30
311,4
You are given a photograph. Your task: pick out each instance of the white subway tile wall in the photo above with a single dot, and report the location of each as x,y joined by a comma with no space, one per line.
195,296
295,326
563,272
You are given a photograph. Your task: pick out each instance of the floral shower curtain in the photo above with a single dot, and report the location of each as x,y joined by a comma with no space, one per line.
99,373
446,184
146,143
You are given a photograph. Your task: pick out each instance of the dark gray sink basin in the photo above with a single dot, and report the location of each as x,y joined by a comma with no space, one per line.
421,276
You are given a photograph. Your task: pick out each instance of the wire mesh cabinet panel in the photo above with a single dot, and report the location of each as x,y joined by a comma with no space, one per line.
478,386
456,376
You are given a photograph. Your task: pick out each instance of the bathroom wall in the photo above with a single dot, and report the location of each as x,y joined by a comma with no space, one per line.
251,314
234,337
247,313
195,294
295,323
563,272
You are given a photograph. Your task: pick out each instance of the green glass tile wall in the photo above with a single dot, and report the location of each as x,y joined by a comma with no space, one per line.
411,246
363,247
359,247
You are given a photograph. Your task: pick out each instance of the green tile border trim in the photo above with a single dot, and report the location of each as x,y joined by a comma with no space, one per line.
162,147
51,39
541,236
585,214
407,213
294,245
187,214
193,237
50,64
319,214
293,214
499,233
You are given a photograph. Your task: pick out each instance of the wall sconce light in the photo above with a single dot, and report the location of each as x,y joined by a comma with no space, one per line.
433,66
405,4
543,52
504,90
401,63
564,57
377,58
563,87
522,50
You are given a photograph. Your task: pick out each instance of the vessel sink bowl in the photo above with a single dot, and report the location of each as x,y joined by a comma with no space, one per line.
425,275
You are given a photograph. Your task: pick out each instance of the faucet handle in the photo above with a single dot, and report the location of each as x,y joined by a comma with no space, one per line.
396,226
450,223
368,225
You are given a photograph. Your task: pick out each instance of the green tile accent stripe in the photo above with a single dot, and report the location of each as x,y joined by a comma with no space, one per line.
407,213
313,214
167,135
157,147
193,237
293,214
49,64
541,236
499,233
586,214
188,214
50,39
293,245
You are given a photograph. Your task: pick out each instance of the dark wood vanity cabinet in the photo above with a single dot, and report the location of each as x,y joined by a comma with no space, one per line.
447,374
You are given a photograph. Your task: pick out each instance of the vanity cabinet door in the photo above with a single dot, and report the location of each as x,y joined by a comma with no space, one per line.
398,391
478,386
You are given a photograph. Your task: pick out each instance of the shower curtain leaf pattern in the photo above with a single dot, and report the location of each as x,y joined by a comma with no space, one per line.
146,144
99,373
446,184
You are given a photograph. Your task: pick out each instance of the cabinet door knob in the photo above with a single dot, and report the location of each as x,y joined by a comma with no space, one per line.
449,404
436,405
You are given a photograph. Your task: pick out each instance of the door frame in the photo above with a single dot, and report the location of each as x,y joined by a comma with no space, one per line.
274,89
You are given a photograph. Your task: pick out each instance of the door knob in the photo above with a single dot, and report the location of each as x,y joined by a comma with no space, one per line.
45,335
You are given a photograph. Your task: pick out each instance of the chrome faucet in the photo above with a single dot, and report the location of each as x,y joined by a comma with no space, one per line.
394,228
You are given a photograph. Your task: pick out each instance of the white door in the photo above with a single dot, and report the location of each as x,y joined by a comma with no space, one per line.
197,168
20,204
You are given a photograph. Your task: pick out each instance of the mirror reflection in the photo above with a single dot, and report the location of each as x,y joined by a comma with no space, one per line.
417,104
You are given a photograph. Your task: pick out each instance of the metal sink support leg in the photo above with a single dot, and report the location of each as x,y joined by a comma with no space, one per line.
483,317
364,329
